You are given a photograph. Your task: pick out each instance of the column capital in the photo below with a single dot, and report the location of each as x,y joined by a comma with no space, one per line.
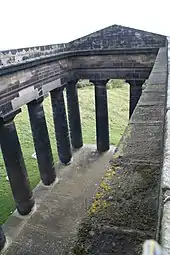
59,88
9,116
36,101
99,83
136,83
73,81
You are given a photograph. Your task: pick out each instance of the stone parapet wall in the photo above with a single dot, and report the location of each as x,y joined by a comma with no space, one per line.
165,187
41,74
110,38
10,57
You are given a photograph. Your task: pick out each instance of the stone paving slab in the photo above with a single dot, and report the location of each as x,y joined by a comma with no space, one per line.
52,227
166,227
166,161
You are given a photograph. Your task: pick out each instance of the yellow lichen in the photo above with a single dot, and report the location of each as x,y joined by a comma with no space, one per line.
116,155
99,195
98,205
105,186
109,173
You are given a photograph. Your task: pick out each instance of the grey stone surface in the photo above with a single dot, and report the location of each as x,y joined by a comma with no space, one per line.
112,240
118,37
15,56
10,227
149,113
165,234
16,222
165,227
166,159
155,87
168,96
52,228
153,98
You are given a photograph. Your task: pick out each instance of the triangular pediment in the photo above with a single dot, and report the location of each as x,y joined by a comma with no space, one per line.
117,36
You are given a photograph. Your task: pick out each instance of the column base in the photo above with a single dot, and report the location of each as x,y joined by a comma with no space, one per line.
2,239
25,208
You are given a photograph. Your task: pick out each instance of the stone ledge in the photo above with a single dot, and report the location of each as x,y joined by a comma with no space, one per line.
166,159
105,240
165,234
165,224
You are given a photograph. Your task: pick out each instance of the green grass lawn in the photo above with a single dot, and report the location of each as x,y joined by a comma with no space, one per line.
118,117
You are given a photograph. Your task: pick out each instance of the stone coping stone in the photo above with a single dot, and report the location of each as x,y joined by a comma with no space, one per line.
165,224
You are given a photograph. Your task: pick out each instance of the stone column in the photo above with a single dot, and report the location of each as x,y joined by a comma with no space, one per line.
61,126
74,115
41,141
15,165
135,93
2,238
102,123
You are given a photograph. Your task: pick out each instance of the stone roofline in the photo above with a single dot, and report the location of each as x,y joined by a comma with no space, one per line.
110,38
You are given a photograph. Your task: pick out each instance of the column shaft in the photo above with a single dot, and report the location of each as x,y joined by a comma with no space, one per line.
102,123
74,115
15,167
61,126
2,238
135,93
41,141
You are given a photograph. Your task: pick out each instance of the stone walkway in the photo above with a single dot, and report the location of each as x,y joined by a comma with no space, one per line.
52,228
